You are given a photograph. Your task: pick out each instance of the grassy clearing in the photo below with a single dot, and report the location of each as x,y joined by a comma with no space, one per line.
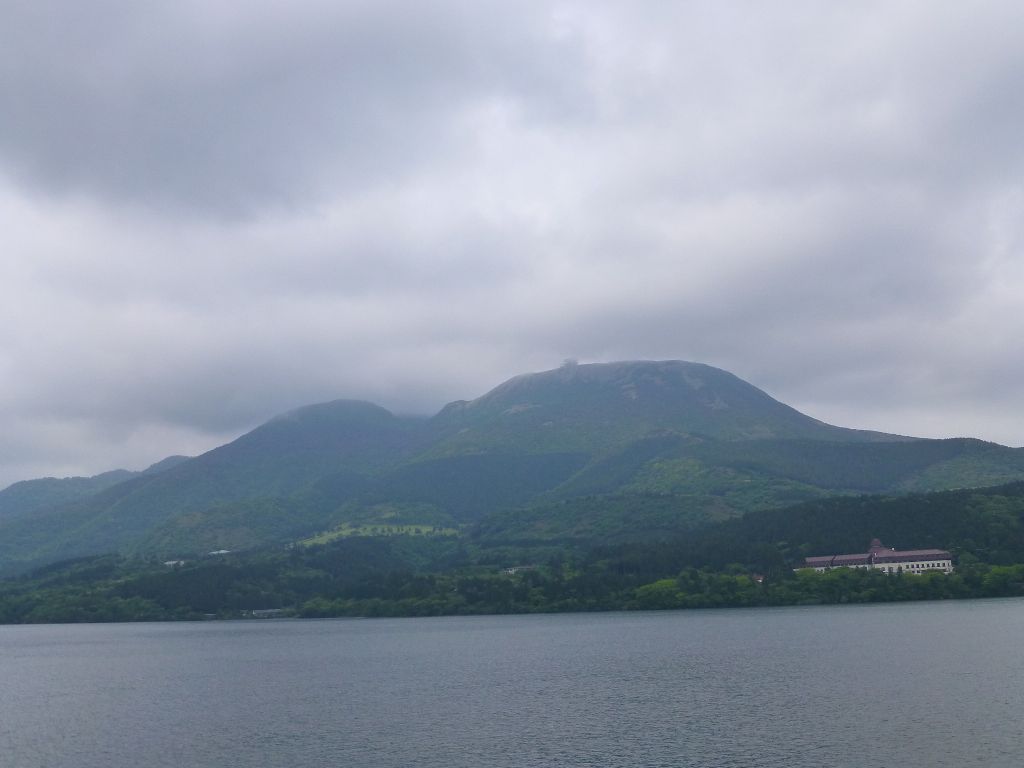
348,530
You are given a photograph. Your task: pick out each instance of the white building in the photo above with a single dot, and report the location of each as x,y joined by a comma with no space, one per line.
888,560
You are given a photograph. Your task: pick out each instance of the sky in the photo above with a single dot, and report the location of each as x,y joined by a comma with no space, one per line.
213,212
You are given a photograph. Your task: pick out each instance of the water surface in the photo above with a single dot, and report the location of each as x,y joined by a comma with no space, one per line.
923,684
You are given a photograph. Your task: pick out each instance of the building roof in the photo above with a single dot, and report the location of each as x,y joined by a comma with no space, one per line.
877,553
908,555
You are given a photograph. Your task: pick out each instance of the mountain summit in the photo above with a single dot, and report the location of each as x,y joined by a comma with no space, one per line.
575,404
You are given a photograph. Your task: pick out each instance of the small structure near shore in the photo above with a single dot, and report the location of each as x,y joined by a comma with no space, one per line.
881,558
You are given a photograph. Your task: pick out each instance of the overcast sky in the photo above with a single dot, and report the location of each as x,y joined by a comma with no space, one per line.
212,212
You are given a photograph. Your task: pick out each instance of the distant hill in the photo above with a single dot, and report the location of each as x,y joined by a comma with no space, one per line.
29,496
618,450
26,497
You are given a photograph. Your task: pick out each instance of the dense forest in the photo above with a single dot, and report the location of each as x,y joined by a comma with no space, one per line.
749,561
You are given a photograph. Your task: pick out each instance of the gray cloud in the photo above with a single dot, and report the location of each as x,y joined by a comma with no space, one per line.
230,109
215,212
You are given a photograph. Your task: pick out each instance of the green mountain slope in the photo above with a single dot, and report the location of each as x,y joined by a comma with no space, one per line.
675,464
673,482
28,496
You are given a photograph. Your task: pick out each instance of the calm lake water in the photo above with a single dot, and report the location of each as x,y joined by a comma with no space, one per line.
925,684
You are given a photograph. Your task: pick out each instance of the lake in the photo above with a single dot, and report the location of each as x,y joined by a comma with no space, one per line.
920,684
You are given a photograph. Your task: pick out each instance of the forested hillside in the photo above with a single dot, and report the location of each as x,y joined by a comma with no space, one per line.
744,562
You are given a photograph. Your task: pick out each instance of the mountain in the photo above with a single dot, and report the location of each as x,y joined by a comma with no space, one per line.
289,453
600,406
618,450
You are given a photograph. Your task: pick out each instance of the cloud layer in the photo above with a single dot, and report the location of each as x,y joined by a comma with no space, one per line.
215,212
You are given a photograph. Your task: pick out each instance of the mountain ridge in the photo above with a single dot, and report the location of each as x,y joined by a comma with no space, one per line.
698,436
